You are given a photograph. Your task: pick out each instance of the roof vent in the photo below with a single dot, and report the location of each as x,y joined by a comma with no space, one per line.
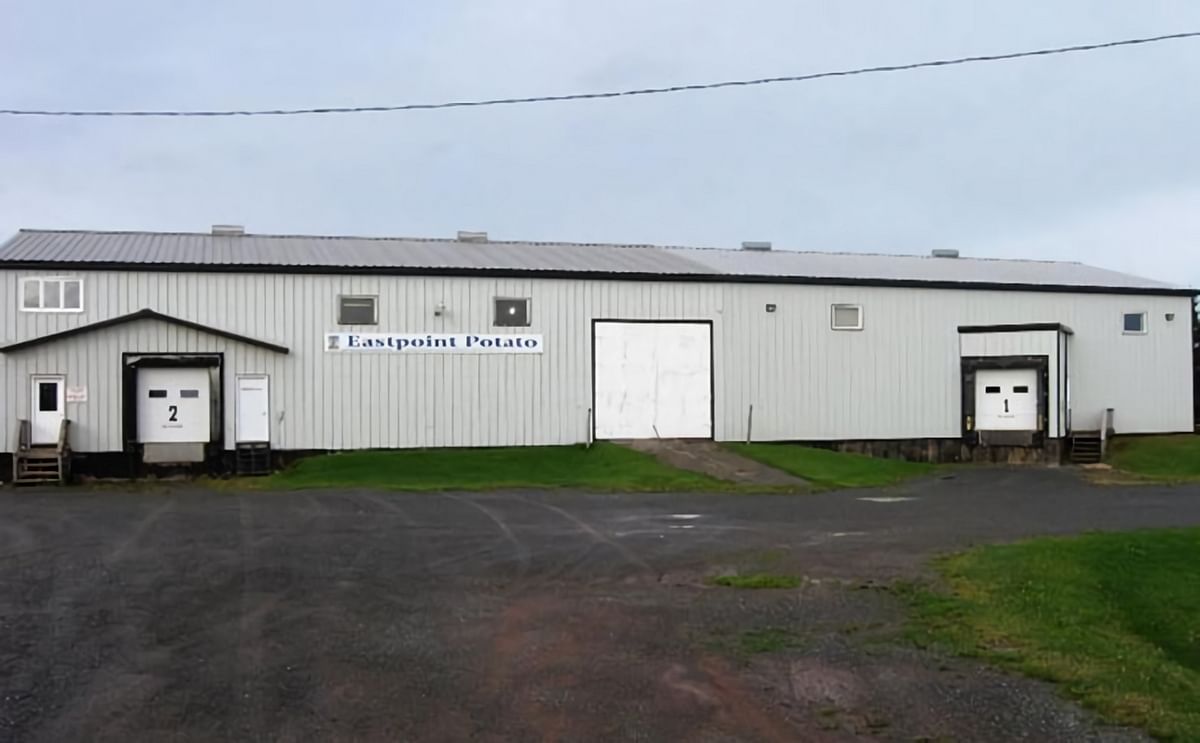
944,253
228,230
756,245
472,237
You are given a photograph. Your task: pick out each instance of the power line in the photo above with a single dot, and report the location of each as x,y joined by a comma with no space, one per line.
613,93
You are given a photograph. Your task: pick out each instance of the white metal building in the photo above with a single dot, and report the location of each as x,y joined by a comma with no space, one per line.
169,347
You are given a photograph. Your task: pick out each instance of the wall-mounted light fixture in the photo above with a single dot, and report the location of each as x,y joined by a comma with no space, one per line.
1170,317
770,308
439,309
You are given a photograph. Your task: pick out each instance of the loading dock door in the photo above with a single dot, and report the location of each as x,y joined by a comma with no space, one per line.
653,380
173,405
1006,400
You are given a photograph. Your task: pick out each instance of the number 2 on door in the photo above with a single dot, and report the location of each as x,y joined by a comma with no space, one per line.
174,413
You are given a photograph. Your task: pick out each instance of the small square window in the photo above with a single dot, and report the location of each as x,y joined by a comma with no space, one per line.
1021,389
189,394
847,317
512,312
157,393
357,310
1135,323
992,390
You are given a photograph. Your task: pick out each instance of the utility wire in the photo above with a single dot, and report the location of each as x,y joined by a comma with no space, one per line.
614,93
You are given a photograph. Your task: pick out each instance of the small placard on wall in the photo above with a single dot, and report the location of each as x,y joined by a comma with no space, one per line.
77,394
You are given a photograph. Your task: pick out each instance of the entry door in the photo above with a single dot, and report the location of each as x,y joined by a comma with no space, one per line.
653,380
48,409
253,409
1006,399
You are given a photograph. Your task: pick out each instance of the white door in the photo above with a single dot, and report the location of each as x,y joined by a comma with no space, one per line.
48,408
653,380
253,409
173,406
1006,400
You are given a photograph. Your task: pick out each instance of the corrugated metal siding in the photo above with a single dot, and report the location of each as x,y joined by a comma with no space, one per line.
897,378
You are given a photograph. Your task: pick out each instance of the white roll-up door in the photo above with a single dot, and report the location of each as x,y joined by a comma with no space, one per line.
173,405
653,380
1006,400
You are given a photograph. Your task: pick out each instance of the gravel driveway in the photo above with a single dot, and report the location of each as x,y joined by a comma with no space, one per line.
343,615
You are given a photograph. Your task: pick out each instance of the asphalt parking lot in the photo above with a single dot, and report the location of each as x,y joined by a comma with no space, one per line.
183,614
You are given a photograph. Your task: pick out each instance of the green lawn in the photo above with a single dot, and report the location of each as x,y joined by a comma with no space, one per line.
1115,618
1158,457
604,466
831,468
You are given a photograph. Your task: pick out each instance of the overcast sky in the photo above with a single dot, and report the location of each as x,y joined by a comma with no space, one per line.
1092,157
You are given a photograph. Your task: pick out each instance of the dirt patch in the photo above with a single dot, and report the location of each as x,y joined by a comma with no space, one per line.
595,668
714,460
639,664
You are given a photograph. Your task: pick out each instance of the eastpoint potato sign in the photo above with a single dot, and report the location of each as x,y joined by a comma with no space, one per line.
432,343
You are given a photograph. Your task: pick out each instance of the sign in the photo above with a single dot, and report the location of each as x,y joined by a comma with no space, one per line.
77,394
411,343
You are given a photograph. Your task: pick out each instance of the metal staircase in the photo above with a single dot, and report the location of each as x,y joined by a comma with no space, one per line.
42,464
1086,447
1089,447
253,459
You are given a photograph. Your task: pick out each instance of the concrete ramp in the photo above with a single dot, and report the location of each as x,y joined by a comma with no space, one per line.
712,459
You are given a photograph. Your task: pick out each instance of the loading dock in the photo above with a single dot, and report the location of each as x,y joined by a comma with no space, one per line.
174,410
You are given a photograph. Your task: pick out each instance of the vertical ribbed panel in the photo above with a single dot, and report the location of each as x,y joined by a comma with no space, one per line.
897,378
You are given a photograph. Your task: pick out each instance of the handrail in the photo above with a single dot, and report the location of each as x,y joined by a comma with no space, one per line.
64,444
1106,425
23,435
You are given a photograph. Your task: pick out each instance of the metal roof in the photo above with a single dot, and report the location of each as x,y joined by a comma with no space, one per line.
321,254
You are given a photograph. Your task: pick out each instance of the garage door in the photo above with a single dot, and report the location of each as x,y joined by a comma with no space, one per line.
653,380
1006,400
173,406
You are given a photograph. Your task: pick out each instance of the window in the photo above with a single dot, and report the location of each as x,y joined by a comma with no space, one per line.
512,312
51,295
1135,323
1021,389
847,317
992,390
157,393
47,397
189,394
357,310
